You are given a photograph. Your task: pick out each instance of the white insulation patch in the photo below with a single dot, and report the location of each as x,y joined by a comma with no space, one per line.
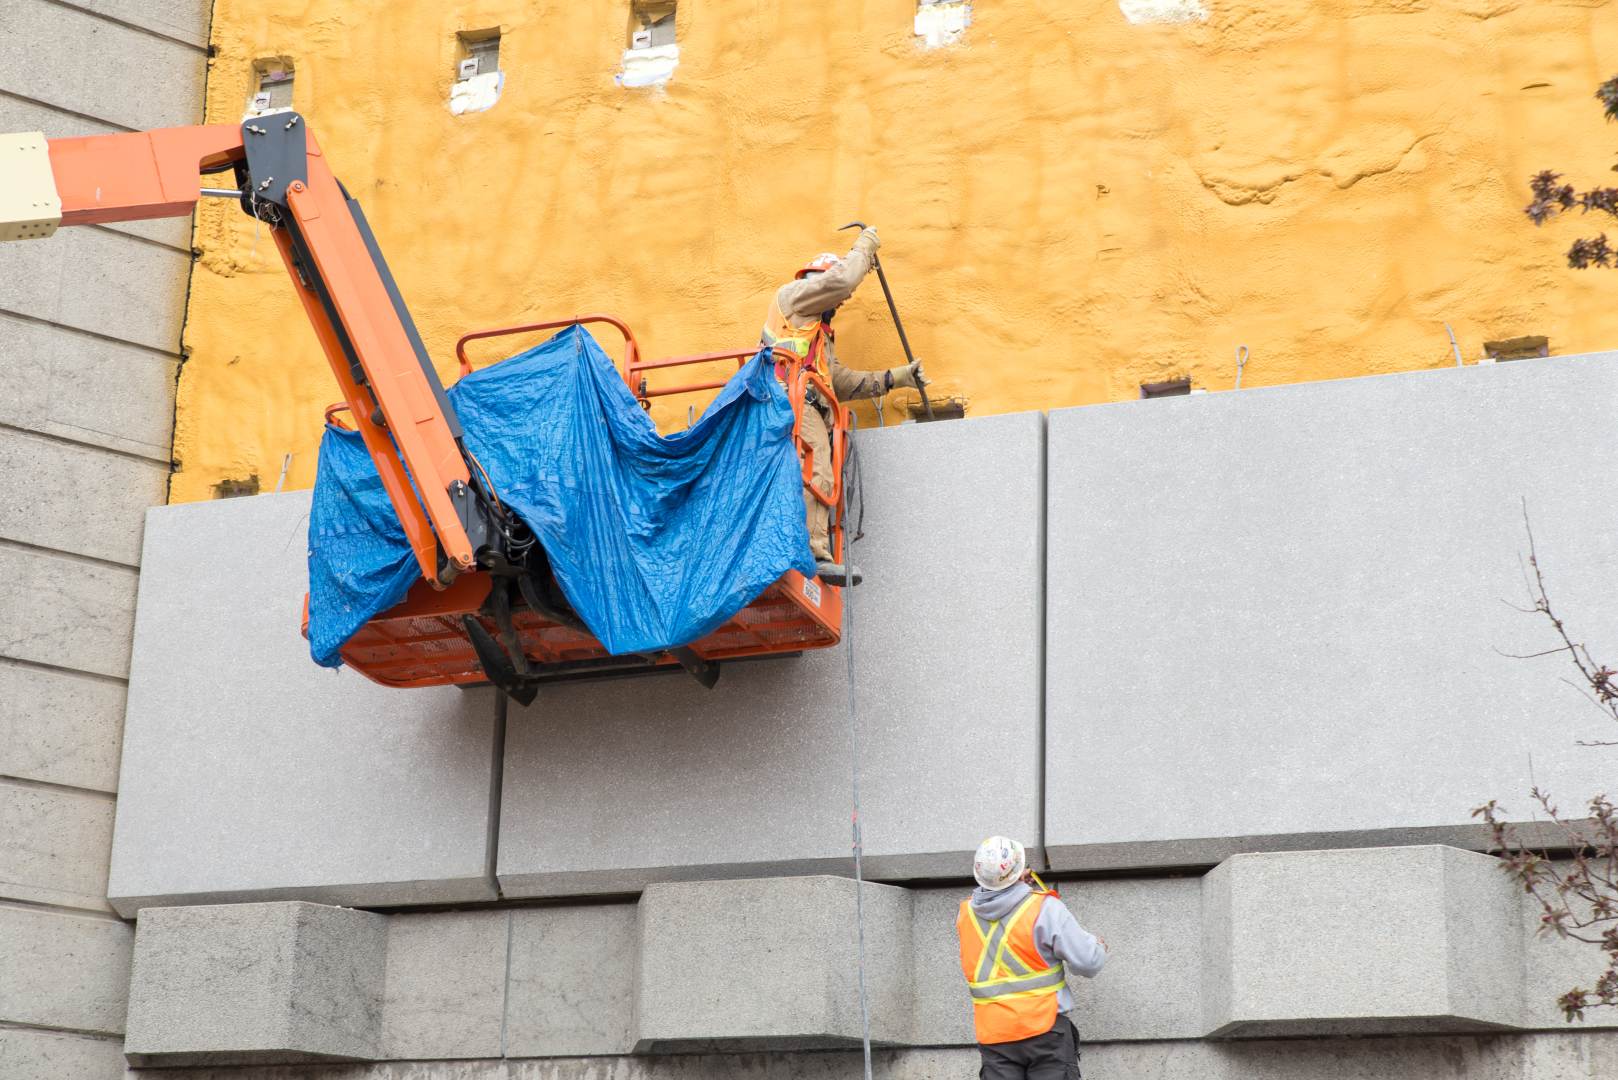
649,67
477,93
1163,11
942,22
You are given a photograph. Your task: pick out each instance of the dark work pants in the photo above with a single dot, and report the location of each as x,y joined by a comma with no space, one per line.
1051,1056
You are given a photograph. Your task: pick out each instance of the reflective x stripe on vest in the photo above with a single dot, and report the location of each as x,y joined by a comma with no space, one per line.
779,331
1011,998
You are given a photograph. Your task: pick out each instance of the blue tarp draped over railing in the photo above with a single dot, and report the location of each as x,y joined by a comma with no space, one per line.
656,540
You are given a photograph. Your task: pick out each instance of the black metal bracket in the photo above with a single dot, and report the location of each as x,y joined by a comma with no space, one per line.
277,149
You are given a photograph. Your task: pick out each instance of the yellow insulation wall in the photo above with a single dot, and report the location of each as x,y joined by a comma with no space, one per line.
1072,203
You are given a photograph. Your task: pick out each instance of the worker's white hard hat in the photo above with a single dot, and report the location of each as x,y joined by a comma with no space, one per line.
999,863
820,264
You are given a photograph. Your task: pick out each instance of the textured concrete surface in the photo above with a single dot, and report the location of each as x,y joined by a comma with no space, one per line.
1561,1056
120,487
183,20
283,779
86,389
54,844
84,64
769,965
250,983
62,971
671,781
1292,596
64,612
26,1053
99,281
60,727
86,416
552,1011
446,982
1375,941
1148,990
1551,967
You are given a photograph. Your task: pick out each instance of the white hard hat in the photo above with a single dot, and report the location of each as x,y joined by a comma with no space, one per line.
999,863
820,264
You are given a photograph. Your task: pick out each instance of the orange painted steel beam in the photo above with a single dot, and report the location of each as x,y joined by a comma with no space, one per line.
138,175
154,174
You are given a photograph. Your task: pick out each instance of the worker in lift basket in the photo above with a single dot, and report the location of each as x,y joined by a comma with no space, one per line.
800,320
1018,944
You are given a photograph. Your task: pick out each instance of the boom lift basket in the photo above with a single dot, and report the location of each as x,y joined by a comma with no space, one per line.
424,641
484,610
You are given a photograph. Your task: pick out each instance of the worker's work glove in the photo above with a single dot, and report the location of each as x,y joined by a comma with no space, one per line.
910,376
868,241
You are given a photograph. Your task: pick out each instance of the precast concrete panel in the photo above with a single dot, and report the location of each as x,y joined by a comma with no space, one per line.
54,844
1279,618
769,964
29,1053
571,988
1373,941
610,786
60,727
256,983
1558,1056
120,487
73,60
250,773
63,971
183,20
63,612
87,390
1149,988
99,281
444,992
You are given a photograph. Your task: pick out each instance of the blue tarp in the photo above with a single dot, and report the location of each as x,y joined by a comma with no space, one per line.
655,540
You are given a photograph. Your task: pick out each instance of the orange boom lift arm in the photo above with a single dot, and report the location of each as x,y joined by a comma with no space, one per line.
488,608
389,383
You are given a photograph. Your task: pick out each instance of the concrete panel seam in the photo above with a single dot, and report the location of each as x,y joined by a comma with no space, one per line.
59,909
39,549
46,785
41,666
146,240
172,354
137,27
1043,641
497,779
65,111
505,992
79,444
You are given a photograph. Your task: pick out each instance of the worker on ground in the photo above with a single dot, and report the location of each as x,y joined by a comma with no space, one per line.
800,320
1018,945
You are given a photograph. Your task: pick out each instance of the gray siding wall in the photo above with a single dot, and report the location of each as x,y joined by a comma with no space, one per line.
90,334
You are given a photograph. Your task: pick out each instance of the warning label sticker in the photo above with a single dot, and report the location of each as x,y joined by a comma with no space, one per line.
811,589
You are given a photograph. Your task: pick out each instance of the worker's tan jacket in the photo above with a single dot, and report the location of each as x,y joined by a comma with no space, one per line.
803,302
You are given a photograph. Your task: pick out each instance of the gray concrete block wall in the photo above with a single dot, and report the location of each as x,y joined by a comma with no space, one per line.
947,636
549,1011
1279,612
256,983
281,779
1373,941
769,964
1559,1056
90,331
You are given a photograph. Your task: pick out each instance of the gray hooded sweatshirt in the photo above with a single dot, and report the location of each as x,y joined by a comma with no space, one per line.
1057,934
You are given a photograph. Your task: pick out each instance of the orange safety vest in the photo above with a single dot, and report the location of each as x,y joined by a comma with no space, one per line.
807,342
1013,988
